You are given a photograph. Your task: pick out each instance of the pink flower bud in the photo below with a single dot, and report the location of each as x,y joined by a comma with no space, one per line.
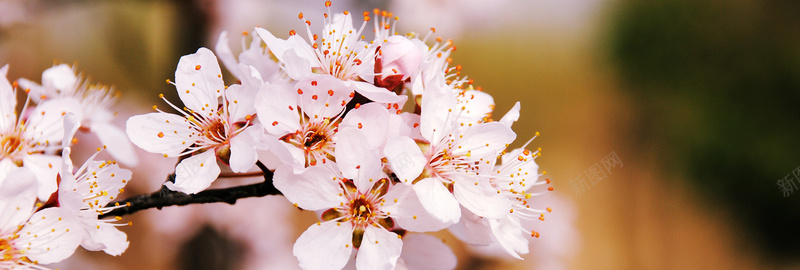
399,56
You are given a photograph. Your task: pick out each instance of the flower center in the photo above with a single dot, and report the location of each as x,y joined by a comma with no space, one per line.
316,140
8,252
215,132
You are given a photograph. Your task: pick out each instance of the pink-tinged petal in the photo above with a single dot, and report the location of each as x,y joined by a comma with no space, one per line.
159,132
106,237
315,188
296,66
240,96
372,119
411,120
356,159
474,105
487,139
508,234
52,235
117,143
71,126
480,198
511,116
408,213
198,80
400,56
472,229
256,57
280,46
324,246
61,79
195,173
8,101
374,93
110,178
422,251
277,109
405,157
437,200
437,105
46,122
379,249
36,91
226,56
17,196
280,153
322,96
45,167
243,148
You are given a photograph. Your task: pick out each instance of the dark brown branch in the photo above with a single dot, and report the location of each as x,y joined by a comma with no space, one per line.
165,197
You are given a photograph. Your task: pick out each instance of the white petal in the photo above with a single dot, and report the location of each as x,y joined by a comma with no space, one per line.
511,116
46,122
36,91
117,143
196,173
509,236
8,101
17,196
243,148
437,104
277,109
372,119
280,153
356,159
52,234
480,198
240,96
408,212
279,46
59,79
472,229
296,66
159,132
475,106
324,246
322,96
422,251
379,249
405,157
484,140
225,55
106,236
437,200
198,80
45,167
315,188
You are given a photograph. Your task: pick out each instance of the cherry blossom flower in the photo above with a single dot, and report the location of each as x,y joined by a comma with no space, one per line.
361,208
444,169
339,52
29,238
206,130
25,140
306,119
94,103
87,191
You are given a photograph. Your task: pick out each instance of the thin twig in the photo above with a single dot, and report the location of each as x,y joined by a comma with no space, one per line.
165,197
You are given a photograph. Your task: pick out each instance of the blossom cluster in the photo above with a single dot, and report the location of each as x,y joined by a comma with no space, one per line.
382,137
47,207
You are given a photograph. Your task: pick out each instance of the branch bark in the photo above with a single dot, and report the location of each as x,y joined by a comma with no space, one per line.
165,197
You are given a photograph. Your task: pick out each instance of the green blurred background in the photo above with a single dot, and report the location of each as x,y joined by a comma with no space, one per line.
698,99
